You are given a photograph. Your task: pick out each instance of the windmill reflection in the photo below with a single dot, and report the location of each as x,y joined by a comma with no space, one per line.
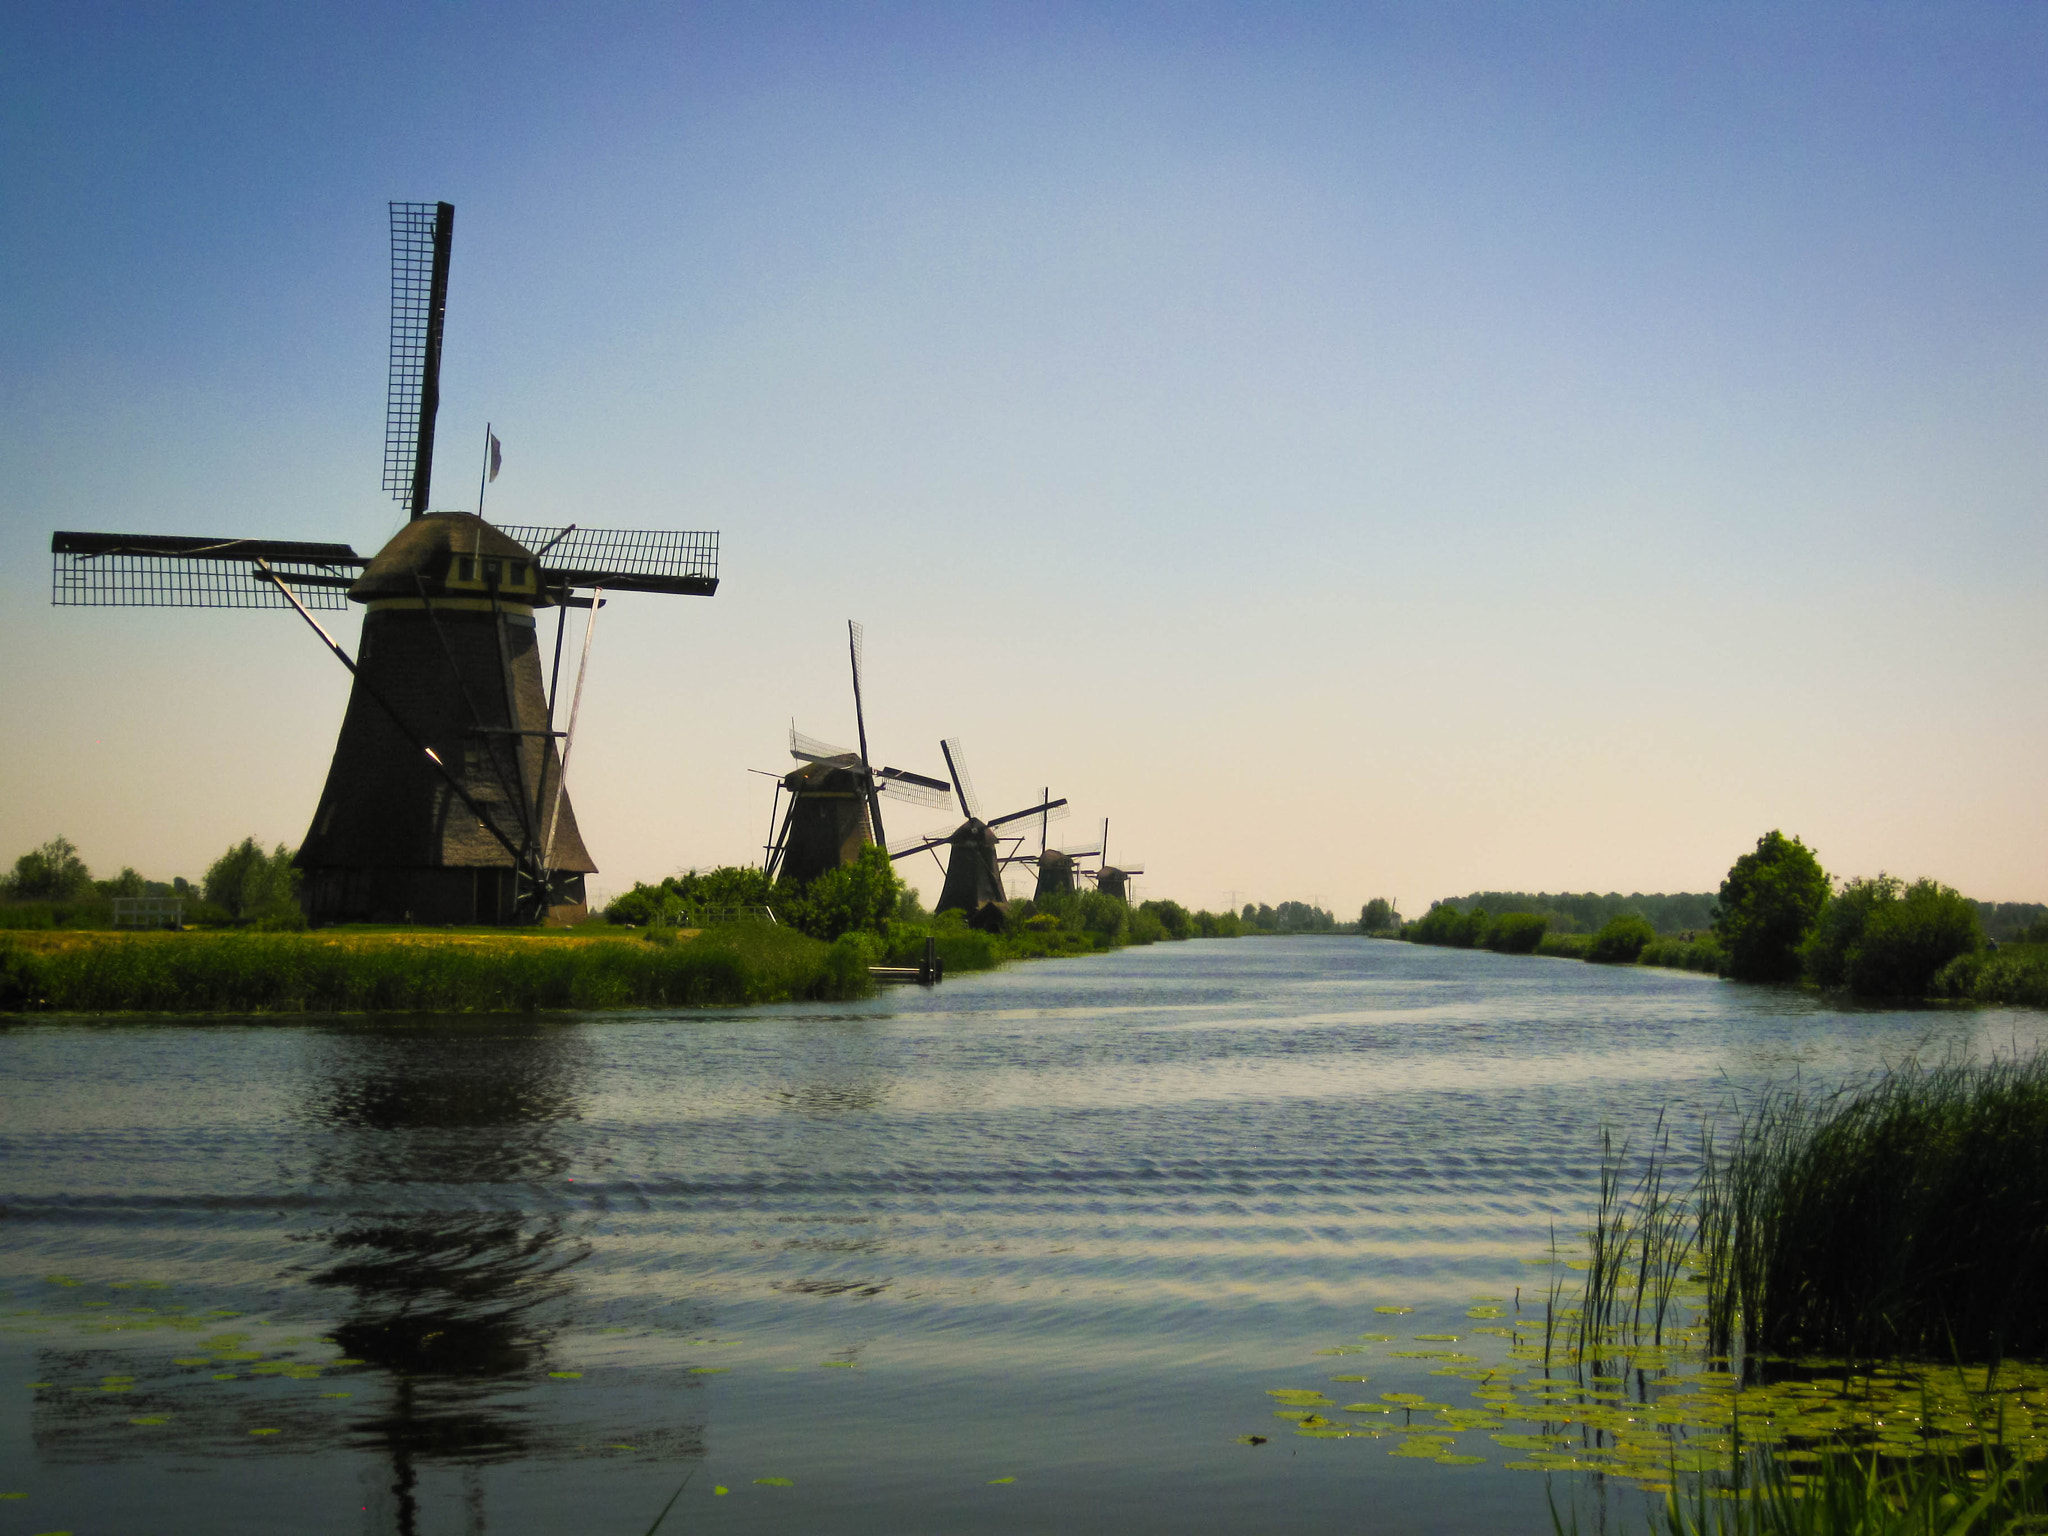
456,1261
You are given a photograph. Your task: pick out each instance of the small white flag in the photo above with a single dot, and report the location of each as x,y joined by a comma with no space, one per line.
497,456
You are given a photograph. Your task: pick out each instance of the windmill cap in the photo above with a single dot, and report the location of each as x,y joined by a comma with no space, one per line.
455,554
828,775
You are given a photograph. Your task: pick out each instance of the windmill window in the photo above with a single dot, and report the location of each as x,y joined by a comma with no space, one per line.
491,572
466,569
518,573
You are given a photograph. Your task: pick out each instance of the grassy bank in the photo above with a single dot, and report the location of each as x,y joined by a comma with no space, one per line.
500,971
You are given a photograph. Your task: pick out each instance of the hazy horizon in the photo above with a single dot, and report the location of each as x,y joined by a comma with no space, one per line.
1387,450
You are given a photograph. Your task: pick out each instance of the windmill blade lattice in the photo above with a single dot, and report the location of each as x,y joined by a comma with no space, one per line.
148,570
421,237
963,786
624,559
810,749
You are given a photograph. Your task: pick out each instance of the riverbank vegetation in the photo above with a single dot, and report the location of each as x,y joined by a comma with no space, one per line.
867,905
50,888
1779,917
337,970
1859,1273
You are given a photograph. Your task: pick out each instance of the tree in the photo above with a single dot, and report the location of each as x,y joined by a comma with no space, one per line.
1376,916
1768,904
53,872
250,884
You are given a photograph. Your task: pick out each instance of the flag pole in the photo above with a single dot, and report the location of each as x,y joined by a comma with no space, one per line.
484,474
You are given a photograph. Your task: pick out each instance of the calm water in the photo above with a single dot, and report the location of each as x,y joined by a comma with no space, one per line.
1066,1225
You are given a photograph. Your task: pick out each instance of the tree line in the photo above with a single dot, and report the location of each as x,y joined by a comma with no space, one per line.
51,887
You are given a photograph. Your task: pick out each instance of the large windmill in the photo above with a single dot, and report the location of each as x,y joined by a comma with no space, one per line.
445,800
835,799
975,857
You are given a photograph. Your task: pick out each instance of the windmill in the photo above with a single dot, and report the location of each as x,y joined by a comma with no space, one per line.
1109,879
975,857
445,800
1055,868
835,799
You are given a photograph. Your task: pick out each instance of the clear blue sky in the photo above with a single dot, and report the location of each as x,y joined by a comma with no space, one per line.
1359,449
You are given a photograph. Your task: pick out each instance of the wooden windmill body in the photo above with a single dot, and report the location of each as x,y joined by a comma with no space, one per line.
445,801
975,856
450,643
835,798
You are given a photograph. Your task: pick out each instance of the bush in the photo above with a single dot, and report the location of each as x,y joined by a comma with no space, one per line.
1175,921
1839,928
1882,938
1565,946
1621,941
1218,925
1906,942
1376,916
2016,973
1768,905
1445,924
1516,933
1701,954
252,886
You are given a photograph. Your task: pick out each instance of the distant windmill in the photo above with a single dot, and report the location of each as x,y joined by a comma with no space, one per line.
975,857
1109,879
445,800
1056,869
835,799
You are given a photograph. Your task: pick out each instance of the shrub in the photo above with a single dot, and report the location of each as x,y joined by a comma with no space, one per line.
256,887
1516,933
1175,921
1701,954
1839,928
1768,904
1565,946
1445,924
861,897
1883,938
1218,925
2015,973
1906,942
1376,916
1621,940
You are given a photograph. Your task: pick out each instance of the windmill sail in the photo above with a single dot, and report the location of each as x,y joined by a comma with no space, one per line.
624,559
156,570
422,236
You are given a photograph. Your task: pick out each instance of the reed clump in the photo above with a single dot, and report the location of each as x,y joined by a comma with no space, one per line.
254,972
1907,1216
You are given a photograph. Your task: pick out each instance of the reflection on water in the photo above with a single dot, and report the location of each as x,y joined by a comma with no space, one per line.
448,1300
1010,1255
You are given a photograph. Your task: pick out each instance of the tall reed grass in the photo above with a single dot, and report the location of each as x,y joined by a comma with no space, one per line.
316,973
1906,1216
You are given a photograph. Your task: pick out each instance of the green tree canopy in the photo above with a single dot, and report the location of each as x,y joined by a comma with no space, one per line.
1768,904
1376,915
251,885
53,872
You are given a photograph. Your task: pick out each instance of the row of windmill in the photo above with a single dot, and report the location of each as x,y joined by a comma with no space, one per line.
446,798
834,811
